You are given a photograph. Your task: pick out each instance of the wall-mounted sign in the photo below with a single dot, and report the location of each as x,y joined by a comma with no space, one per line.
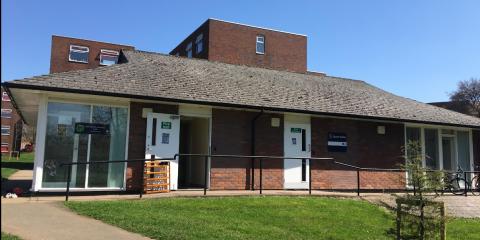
337,142
165,138
294,141
166,125
92,128
295,130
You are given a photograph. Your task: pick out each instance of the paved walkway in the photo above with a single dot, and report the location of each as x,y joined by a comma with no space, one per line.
51,220
455,206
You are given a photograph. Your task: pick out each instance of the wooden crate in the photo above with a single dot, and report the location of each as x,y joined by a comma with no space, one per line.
156,176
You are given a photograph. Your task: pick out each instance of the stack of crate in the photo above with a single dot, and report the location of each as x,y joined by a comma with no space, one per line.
156,176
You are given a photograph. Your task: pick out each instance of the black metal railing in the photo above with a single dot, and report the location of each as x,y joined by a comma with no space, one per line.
359,169
69,170
206,169
207,156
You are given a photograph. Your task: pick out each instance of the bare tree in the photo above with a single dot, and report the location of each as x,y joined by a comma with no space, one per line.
468,91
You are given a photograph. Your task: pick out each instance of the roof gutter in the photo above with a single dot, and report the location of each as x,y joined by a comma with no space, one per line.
124,95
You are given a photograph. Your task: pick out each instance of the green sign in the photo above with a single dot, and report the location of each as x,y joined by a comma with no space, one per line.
295,130
92,128
166,125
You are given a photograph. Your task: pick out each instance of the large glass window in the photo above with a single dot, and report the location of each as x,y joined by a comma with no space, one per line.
63,145
413,142
463,146
431,148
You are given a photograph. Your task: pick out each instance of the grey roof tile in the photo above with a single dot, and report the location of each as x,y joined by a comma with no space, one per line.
163,76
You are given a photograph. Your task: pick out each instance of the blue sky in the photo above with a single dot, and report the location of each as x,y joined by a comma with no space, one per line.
416,49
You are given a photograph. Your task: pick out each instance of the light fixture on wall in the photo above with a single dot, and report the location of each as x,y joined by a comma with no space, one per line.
275,122
145,111
381,130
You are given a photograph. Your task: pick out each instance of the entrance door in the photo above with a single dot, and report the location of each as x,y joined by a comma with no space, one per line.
163,137
448,154
297,143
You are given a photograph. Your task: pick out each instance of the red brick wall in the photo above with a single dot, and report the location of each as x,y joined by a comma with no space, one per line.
180,48
366,148
61,48
235,44
15,123
136,138
231,134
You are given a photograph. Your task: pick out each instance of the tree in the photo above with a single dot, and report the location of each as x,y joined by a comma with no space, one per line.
468,91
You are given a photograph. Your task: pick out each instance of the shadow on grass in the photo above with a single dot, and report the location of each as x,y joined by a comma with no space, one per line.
18,165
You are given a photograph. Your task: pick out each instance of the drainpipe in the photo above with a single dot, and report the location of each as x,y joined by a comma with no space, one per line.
252,167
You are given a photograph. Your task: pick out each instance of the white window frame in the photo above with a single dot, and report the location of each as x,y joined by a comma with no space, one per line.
199,43
7,110
106,52
422,128
7,99
189,50
260,39
79,51
41,138
8,128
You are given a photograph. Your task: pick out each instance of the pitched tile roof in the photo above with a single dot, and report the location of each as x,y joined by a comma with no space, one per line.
157,76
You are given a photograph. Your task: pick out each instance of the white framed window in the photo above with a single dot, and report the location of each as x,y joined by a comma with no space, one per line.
199,43
188,49
260,44
6,113
78,54
108,57
5,130
5,97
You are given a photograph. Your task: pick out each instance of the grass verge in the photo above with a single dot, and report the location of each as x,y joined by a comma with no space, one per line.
6,236
9,167
256,218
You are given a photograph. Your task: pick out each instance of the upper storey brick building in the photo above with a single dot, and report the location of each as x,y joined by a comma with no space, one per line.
240,44
74,54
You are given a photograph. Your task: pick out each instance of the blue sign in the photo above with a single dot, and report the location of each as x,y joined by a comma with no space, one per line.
337,142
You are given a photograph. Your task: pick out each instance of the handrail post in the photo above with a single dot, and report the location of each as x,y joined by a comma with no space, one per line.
67,193
142,178
358,182
206,176
309,176
261,179
465,184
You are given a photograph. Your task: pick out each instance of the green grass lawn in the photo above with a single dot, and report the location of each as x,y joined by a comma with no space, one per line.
6,236
255,218
11,166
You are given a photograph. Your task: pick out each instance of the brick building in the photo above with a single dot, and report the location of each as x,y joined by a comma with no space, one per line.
250,93
70,54
12,125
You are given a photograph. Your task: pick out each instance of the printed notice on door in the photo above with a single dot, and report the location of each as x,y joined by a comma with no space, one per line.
165,138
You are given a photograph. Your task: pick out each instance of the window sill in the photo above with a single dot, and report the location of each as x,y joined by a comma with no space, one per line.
73,61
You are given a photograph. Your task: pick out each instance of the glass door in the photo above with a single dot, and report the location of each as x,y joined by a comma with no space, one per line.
448,153
66,145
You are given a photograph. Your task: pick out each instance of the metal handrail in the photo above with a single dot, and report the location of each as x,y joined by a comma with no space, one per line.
260,157
206,157
358,169
69,169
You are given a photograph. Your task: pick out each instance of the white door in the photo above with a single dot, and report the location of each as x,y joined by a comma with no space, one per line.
163,138
297,143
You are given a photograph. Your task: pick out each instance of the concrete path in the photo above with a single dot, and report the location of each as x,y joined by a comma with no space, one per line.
455,206
51,220
22,175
